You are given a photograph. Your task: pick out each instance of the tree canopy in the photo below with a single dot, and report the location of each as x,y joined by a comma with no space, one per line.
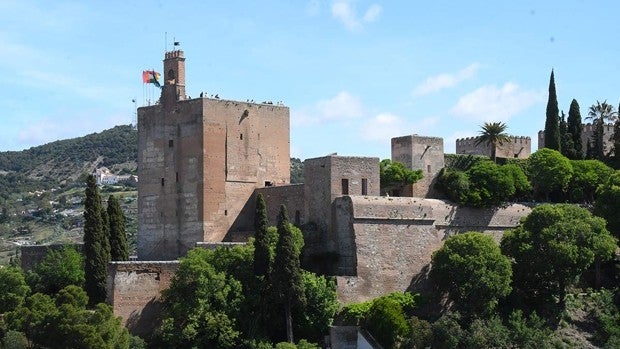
549,172
554,245
471,269
394,173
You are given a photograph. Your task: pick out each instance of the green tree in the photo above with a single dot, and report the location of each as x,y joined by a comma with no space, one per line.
13,288
493,134
59,269
471,269
488,185
553,246
96,256
387,323
287,283
549,172
588,175
119,251
317,313
575,129
607,204
262,256
600,114
64,322
616,140
395,174
200,306
523,188
552,127
566,140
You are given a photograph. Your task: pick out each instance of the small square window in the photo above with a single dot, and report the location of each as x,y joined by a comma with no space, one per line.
170,143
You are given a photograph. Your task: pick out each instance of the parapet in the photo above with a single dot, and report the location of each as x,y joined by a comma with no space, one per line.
174,54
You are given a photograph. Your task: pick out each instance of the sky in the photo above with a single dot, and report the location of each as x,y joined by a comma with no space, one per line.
354,73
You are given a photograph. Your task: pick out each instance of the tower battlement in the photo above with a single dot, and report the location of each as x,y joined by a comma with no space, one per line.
174,54
516,147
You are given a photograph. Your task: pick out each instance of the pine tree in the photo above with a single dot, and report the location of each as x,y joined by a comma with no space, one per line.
552,128
286,275
95,255
262,256
119,251
575,129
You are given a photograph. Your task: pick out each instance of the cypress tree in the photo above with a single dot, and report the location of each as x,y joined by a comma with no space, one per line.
567,147
287,283
262,256
616,139
575,128
552,127
119,251
95,256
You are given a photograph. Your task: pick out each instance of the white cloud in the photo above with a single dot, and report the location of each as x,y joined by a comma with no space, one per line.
343,106
344,11
372,13
385,126
490,103
441,81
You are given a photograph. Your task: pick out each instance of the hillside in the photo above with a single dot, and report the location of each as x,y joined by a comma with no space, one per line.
42,188
65,160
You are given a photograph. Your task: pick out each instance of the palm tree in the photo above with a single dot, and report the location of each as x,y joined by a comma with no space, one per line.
492,134
599,114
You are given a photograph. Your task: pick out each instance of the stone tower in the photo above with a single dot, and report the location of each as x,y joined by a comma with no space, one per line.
420,153
199,161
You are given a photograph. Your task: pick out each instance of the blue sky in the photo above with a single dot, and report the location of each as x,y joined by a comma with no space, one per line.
354,73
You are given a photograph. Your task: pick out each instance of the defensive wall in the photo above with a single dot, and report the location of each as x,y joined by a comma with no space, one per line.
586,135
385,243
31,255
516,147
134,289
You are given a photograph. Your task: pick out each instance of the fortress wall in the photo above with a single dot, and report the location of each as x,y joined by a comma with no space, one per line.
134,289
518,147
291,196
31,255
586,135
391,240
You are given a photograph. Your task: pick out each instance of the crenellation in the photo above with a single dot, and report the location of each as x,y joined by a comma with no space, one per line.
516,147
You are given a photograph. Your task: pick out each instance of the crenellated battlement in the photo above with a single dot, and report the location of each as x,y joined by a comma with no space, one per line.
174,54
588,131
512,139
516,147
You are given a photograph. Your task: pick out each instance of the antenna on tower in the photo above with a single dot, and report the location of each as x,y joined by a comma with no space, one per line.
165,42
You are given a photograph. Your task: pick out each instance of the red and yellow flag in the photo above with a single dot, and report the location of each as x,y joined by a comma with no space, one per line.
151,77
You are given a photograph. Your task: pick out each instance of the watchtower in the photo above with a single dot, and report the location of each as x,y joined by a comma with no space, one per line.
199,161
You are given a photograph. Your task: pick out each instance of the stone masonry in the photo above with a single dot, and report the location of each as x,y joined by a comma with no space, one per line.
199,162
586,136
517,147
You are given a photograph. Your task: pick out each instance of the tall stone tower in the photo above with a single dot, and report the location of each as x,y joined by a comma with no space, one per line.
199,161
